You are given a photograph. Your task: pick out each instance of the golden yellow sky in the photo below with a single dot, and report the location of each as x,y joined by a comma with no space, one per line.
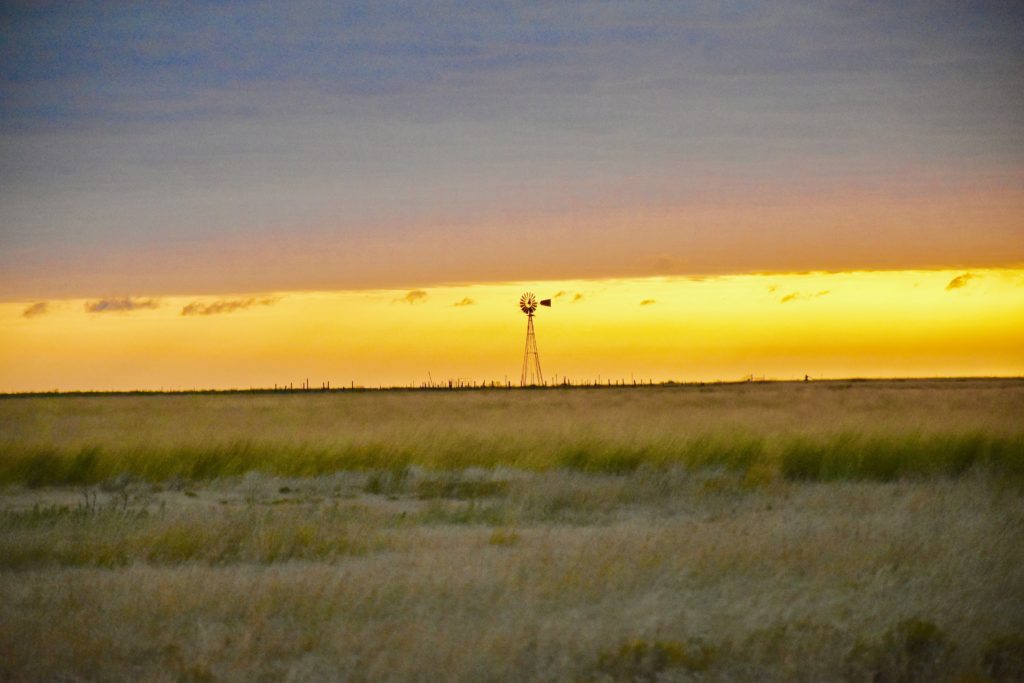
864,324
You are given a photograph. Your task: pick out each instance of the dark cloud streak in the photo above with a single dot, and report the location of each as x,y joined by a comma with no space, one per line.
36,309
120,305
225,306
413,297
960,281
797,296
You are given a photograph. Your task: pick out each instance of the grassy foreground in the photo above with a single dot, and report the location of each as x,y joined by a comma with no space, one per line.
831,532
553,576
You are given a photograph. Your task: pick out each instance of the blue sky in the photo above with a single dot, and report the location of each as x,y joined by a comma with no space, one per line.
266,133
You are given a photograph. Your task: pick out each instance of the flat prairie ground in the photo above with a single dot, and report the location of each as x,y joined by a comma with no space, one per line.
834,531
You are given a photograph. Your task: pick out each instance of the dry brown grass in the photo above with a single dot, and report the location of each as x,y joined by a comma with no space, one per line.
562,580
659,572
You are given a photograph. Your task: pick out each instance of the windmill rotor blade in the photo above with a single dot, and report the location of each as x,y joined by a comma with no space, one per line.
528,303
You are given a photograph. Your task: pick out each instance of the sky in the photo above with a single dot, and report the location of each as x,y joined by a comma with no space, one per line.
681,329
330,151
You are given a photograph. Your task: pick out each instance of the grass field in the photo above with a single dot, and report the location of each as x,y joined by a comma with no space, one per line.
821,431
863,531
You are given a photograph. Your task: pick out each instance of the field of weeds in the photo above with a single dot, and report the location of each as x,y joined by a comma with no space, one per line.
860,531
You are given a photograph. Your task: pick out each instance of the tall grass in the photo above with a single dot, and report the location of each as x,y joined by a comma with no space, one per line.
835,531
870,430
648,576
818,457
56,535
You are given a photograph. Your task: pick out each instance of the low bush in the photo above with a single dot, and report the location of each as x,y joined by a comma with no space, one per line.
642,661
1003,658
914,650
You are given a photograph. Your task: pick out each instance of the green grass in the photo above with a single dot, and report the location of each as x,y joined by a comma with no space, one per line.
824,457
877,431
886,458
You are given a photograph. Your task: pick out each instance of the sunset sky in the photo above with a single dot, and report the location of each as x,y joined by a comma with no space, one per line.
230,195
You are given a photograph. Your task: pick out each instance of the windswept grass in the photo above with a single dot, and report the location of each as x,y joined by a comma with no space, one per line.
820,432
881,458
855,531
818,457
58,535
628,578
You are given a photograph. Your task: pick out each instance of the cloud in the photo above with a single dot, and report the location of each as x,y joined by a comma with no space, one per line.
772,289
647,302
578,297
119,305
414,296
224,306
38,308
960,281
560,294
161,77
795,296
465,302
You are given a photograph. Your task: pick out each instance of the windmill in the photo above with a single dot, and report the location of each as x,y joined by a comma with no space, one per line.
531,359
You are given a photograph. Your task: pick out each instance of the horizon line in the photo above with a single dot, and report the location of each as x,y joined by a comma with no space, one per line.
621,383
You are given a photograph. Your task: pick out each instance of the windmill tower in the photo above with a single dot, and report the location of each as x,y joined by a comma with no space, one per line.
531,359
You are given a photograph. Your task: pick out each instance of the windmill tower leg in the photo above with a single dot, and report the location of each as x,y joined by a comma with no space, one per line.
531,358
539,376
526,352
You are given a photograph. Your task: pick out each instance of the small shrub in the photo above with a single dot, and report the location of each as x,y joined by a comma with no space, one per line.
461,489
574,458
599,458
42,468
1003,658
802,461
737,453
874,460
913,650
82,467
502,537
622,461
438,512
388,482
641,661
1006,456
175,544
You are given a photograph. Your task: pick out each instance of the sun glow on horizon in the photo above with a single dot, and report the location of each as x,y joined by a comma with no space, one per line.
867,324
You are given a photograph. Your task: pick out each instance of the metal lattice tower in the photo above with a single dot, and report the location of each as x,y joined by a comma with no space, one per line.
531,359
